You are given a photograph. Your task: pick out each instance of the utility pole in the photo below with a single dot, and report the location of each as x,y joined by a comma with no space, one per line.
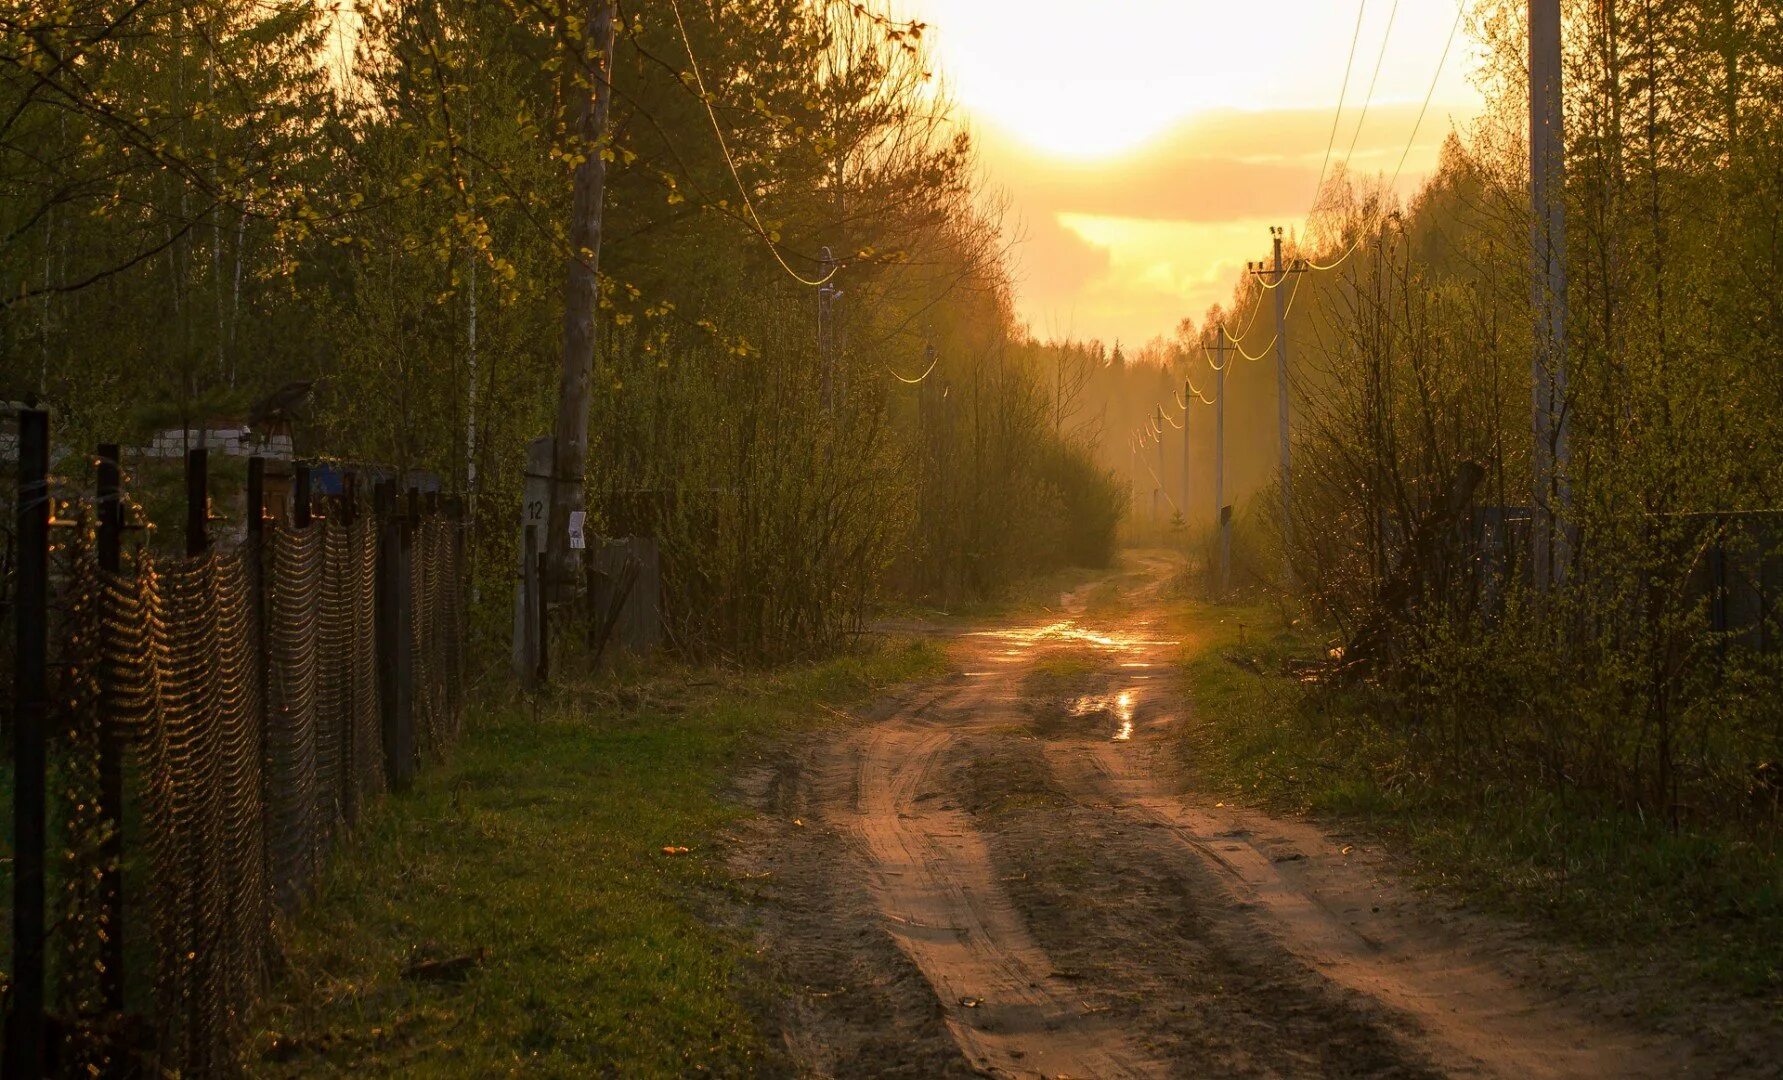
1187,398
1163,426
1550,495
585,80
827,294
1133,462
1276,276
1222,519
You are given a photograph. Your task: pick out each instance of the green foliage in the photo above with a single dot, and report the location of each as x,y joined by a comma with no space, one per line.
1090,504
233,195
1617,686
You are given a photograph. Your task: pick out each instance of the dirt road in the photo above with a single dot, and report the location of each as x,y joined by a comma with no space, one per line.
1006,874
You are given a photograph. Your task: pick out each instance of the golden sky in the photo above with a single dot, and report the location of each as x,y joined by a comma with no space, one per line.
1147,145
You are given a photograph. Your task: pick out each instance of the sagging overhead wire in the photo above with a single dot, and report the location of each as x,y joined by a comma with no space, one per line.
1411,140
1349,154
1306,264
1205,351
936,359
748,203
1238,346
1237,343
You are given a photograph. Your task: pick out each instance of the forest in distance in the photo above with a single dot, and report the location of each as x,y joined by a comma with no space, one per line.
1515,602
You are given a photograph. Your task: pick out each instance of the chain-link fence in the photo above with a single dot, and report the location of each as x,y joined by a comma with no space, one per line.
215,722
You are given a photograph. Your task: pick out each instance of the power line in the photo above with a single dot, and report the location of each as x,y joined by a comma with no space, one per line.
1238,345
936,359
748,204
1372,81
1460,9
1342,92
1429,93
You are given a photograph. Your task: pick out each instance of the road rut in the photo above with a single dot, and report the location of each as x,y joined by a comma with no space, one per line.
1008,871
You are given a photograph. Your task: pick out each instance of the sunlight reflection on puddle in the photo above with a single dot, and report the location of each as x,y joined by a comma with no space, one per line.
1066,631
1121,705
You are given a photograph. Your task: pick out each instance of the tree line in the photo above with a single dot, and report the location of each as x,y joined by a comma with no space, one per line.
1649,678
202,201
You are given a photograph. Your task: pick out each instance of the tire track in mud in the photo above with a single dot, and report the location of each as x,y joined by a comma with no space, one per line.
932,874
1471,1017
993,876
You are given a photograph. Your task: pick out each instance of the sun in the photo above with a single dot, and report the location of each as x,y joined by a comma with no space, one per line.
1096,81
1068,83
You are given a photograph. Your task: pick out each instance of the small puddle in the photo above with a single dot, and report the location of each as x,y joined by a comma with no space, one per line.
1121,705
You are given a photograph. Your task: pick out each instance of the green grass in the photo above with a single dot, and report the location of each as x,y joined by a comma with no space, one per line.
539,846
1707,904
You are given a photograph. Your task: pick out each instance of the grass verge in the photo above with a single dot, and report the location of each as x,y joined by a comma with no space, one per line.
531,868
1705,904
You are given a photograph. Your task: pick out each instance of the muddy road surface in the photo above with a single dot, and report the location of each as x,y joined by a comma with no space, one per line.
1008,874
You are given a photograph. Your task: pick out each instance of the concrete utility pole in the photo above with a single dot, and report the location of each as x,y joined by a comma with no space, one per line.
1276,277
1551,494
827,295
1188,396
1222,519
1133,462
1163,425
585,81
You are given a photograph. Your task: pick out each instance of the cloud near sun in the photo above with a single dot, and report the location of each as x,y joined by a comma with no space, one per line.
1147,145
1126,246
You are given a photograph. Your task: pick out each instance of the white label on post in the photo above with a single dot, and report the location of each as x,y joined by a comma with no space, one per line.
577,541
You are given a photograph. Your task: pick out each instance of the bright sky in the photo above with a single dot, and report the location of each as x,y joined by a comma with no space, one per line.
1147,145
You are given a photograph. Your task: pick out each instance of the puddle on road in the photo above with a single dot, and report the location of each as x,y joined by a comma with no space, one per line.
1068,632
1121,706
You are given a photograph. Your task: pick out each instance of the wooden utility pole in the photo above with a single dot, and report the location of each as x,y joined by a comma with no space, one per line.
1222,520
587,68
1277,276
1550,495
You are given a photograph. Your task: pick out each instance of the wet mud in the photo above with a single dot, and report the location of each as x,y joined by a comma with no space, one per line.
1006,874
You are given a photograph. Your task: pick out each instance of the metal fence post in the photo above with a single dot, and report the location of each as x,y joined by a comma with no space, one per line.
197,501
256,539
256,498
395,658
300,495
24,1043
111,750
349,504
